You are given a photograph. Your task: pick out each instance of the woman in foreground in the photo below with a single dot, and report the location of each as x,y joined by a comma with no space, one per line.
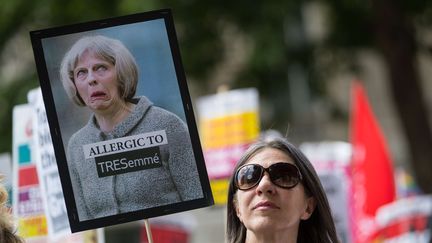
275,195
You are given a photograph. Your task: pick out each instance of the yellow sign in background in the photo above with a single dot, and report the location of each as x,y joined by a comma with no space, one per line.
230,130
33,226
228,123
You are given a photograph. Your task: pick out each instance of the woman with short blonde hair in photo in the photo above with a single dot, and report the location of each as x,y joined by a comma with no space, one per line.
100,74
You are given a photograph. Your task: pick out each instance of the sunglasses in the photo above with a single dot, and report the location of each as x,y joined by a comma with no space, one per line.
281,174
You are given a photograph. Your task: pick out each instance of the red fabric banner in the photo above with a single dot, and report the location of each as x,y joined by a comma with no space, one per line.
373,178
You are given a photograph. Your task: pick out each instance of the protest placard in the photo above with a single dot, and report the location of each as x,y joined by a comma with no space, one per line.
121,119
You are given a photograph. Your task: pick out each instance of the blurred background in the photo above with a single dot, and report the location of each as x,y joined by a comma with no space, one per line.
300,56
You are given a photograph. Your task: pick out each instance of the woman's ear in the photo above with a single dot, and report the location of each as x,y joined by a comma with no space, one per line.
310,207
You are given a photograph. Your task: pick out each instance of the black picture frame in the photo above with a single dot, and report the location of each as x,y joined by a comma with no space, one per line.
151,38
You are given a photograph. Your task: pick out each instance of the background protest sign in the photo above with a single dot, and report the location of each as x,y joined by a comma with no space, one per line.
38,205
331,160
27,199
405,220
228,123
52,194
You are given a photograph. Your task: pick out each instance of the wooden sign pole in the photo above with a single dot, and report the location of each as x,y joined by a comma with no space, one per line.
149,234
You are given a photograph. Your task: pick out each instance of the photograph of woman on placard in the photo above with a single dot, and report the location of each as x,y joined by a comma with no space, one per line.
121,120
131,155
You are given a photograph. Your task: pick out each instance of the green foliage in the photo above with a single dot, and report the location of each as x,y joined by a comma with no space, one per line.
10,95
351,22
13,15
201,25
75,11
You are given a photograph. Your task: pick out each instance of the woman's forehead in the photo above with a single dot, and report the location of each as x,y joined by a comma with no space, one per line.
89,53
268,156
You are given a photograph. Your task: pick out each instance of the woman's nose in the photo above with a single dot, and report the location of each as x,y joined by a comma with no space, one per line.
91,79
265,185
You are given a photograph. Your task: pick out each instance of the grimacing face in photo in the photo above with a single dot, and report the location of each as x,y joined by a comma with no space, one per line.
96,82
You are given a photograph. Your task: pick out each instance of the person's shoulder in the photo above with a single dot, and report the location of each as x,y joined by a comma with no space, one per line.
165,115
163,112
152,110
155,116
80,136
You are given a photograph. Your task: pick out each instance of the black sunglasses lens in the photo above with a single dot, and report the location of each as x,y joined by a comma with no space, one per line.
284,175
248,176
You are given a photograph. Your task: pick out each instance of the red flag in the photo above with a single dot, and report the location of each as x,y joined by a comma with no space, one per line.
373,179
